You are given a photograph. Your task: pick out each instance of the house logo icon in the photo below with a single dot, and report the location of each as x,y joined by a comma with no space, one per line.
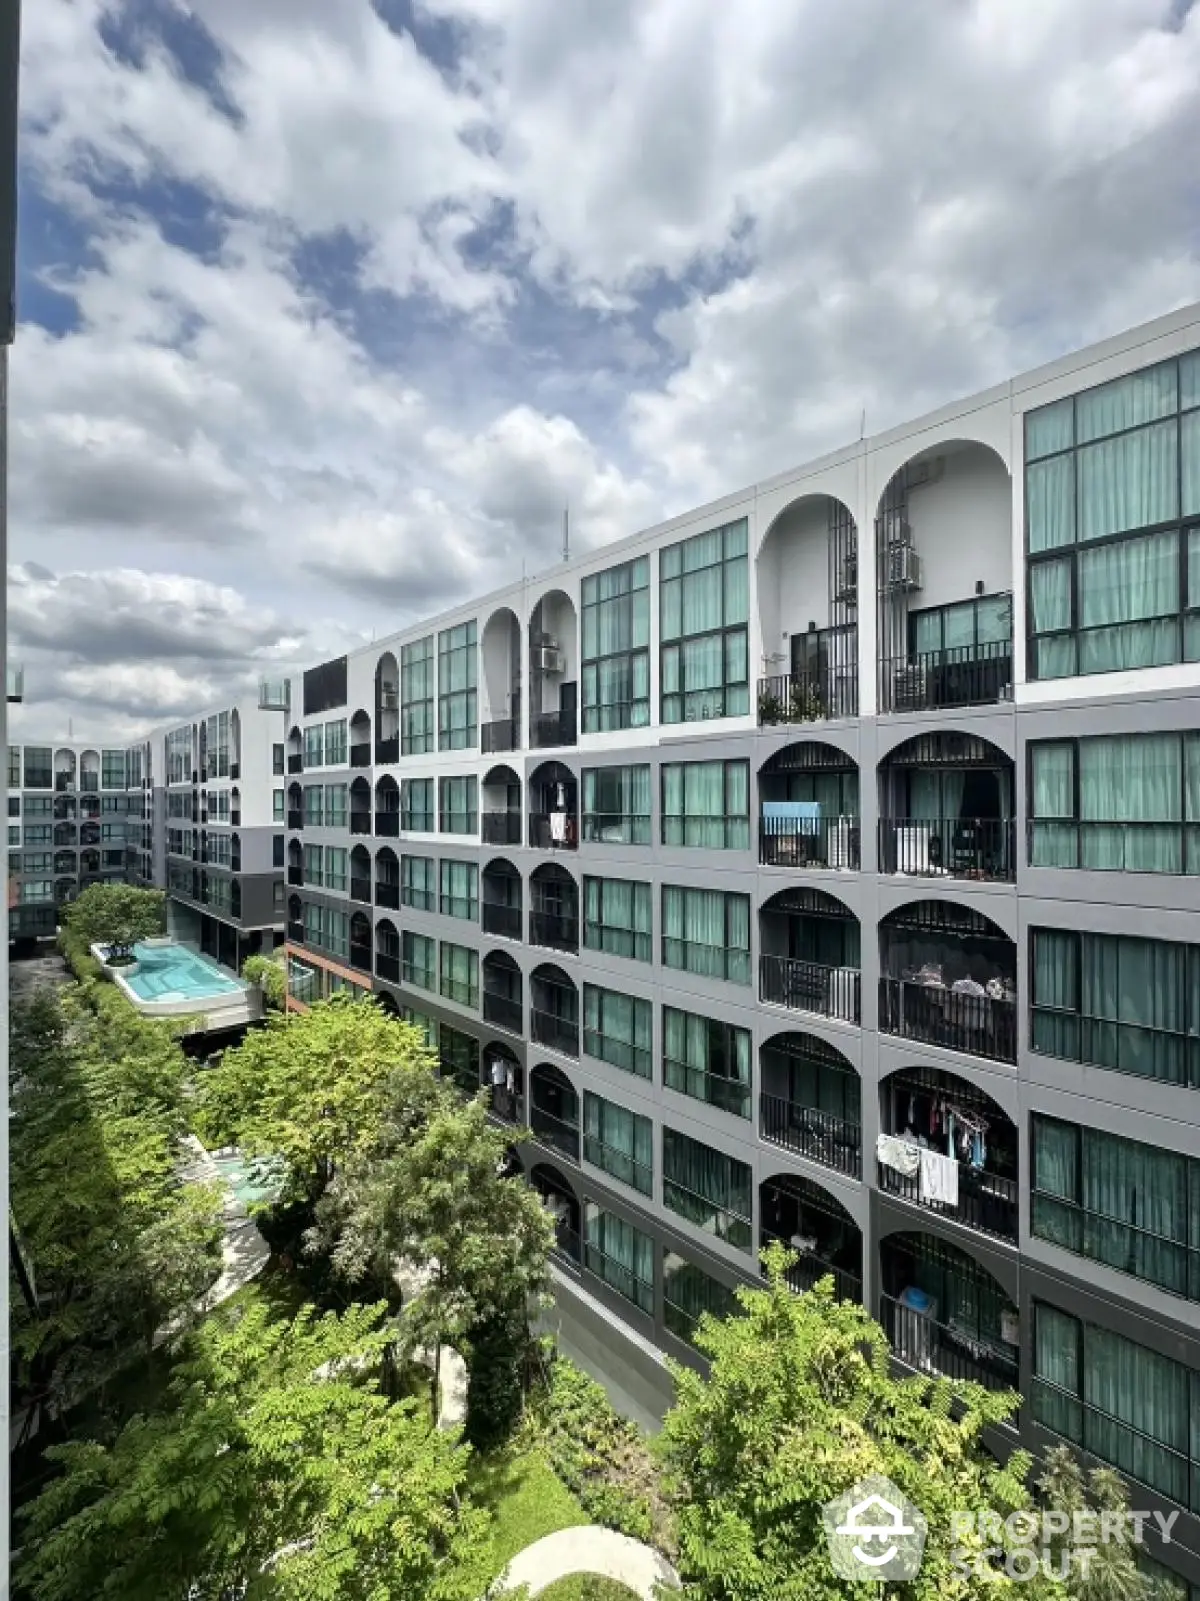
874,1532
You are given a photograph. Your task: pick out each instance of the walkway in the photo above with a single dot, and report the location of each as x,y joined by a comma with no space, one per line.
244,1251
451,1376
588,1549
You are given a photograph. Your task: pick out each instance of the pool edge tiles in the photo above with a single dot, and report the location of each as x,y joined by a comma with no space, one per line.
233,999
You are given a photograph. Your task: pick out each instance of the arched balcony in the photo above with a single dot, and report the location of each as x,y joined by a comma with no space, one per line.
89,833
64,771
946,808
89,808
810,1101
809,955
89,772
500,906
553,808
949,978
949,1147
360,874
501,661
295,750
295,862
235,744
807,577
945,1314
554,1110
501,819
505,1078
387,808
66,834
944,580
360,806
562,1203
808,1219
808,804
360,739
387,709
553,672
65,808
65,890
554,909
387,950
89,862
66,862
235,853
295,807
360,942
387,878
554,1010
502,992
295,919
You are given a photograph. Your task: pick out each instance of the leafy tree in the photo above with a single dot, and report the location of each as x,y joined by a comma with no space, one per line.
267,975
800,1404
117,916
279,1468
1112,1572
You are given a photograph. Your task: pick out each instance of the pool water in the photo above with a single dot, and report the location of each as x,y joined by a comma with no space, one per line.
175,973
252,1179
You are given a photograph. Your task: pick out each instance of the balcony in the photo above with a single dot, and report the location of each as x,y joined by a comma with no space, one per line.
295,820
553,729
501,920
553,831
986,1203
977,1024
964,1356
360,755
295,875
797,842
388,894
557,931
360,822
387,750
819,1136
503,1011
360,890
295,932
982,848
966,675
811,987
360,957
810,1268
806,697
387,825
554,1131
557,1032
507,1106
295,764
387,968
501,828
501,735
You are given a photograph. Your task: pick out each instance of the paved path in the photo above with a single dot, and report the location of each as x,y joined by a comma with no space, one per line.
588,1549
244,1251
451,1375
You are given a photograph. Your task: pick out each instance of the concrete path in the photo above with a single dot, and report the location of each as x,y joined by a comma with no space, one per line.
588,1549
244,1251
451,1375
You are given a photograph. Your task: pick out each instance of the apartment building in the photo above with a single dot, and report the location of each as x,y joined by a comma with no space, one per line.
823,865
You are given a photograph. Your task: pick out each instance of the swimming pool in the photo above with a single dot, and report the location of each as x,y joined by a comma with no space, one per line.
175,973
253,1179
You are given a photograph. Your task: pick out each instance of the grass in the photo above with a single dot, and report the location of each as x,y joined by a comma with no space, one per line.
526,1500
587,1587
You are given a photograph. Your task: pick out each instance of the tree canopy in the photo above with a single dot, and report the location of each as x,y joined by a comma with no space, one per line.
269,975
116,915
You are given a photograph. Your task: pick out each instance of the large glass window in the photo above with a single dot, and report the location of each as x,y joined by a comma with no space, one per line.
620,1255
710,1189
616,805
973,629
619,1141
14,767
1112,492
704,607
277,806
707,931
112,769
39,770
688,1293
460,890
618,1029
706,805
335,805
314,805
458,1055
418,961
417,883
456,687
1132,1206
617,915
416,806
616,647
1121,802
314,746
1119,1401
459,974
314,866
708,1060
457,805
335,867
1132,1005
335,743
416,697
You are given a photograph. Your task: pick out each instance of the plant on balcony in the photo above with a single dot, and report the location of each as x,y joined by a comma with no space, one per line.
268,977
770,707
806,704
116,916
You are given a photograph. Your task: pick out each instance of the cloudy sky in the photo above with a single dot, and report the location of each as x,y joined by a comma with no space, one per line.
328,306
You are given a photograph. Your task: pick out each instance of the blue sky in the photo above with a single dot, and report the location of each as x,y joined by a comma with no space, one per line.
327,309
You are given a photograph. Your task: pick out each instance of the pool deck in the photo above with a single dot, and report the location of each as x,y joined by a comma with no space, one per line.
228,1008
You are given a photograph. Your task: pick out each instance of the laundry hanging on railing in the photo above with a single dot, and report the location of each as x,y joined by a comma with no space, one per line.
939,1179
898,1154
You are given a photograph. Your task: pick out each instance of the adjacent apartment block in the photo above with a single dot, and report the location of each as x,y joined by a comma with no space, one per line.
824,865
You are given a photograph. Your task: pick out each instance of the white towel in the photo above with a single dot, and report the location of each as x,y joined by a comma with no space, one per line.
558,827
898,1154
939,1178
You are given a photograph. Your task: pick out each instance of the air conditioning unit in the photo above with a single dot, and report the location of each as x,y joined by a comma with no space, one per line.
903,567
389,698
549,659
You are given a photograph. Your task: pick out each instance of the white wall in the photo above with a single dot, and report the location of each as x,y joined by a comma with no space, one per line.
793,579
962,528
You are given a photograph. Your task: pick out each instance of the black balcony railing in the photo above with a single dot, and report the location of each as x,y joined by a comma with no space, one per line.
921,1342
500,735
559,1033
820,1136
708,1214
810,1269
295,932
808,842
295,875
554,1131
501,919
545,834
986,1201
388,750
965,675
566,1249
360,957
295,820
387,968
295,764
387,825
507,1106
503,1011
501,828
360,890
806,697
728,1094
553,728
981,1025
360,755
360,822
555,930
388,895
959,847
811,987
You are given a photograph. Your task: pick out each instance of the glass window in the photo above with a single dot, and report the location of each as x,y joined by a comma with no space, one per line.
314,805
335,867
417,887
616,805
708,1188
314,746
620,1255
416,806
707,931
619,1142
314,858
618,1029
460,974
688,1293
112,769
14,767
277,759
35,806
708,1060
335,805
615,668
39,772
457,658
460,890
277,808
37,834
617,915
277,857
704,600
418,956
416,697
458,1054
706,805
335,743
970,630
457,805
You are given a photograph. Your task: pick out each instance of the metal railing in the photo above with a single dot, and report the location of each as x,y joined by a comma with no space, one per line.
923,1343
360,957
541,834
505,1105
559,1033
360,890
976,1024
806,697
819,1136
963,675
500,828
727,1094
810,1269
941,847
503,1011
360,755
387,825
387,750
501,919
619,1165
388,895
811,987
552,728
729,1226
557,931
387,968
566,1249
554,1131
500,735
620,1278
809,842
360,822
295,875
295,931
986,1201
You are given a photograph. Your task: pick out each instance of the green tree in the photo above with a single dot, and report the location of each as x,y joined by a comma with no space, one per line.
279,1468
799,1405
1110,1572
267,975
117,916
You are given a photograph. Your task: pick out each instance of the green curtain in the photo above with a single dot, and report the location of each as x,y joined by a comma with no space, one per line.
1055,843
822,1087
1050,429
1138,1198
1056,1360
620,1029
1129,482
1050,503
1055,972
1147,1402
715,1183
1189,429
1129,604
1134,779
1141,397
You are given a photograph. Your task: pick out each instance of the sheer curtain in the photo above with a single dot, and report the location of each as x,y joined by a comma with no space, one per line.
1131,780
1055,1181
1056,1354
1149,1393
1050,596
1050,503
1136,990
1139,1195
1135,584
1055,843
1129,482
1055,1021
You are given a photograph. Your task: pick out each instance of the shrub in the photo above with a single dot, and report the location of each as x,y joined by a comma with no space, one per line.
268,975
